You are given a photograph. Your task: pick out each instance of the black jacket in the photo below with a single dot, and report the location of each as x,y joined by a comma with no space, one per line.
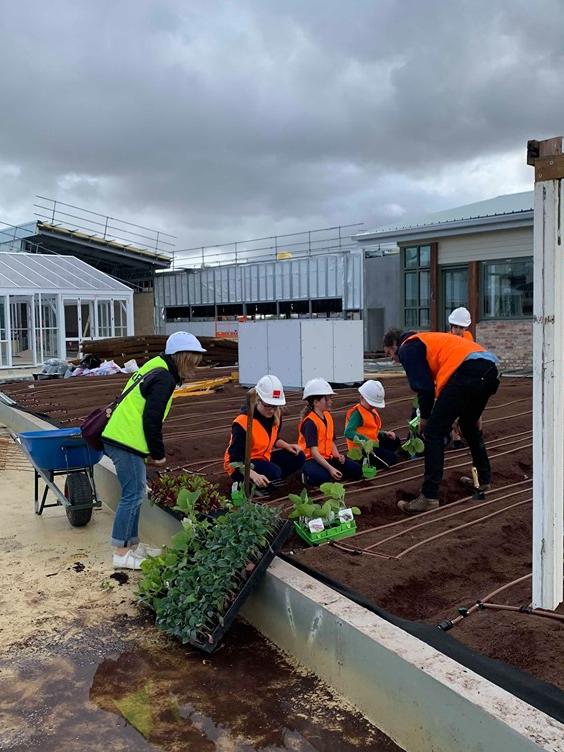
157,389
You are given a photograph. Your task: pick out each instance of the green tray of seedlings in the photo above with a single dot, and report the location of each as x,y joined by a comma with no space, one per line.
335,532
333,520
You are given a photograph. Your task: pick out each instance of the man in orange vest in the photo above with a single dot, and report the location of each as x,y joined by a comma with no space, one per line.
453,378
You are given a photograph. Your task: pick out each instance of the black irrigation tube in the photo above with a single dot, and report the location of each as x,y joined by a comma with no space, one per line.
542,695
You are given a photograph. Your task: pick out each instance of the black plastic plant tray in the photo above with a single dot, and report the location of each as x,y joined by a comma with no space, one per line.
254,579
201,515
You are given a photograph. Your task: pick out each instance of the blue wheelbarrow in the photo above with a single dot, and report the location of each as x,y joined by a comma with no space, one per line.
63,452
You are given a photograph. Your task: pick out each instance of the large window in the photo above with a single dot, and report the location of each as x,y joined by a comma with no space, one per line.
417,286
507,289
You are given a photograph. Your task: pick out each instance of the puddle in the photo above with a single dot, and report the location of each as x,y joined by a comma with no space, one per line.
244,698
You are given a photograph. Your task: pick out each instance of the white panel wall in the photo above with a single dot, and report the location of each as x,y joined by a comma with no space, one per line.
317,349
298,350
486,246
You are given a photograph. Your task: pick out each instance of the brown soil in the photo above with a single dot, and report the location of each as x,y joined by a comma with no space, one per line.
434,579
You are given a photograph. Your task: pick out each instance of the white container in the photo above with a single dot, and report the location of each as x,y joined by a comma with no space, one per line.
300,349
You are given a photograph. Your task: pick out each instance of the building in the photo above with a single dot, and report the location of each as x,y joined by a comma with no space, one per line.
479,256
126,251
49,303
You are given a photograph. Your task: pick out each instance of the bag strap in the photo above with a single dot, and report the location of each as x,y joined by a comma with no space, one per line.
123,395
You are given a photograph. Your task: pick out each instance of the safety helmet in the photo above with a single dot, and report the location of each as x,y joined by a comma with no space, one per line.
373,393
269,388
460,317
317,388
182,342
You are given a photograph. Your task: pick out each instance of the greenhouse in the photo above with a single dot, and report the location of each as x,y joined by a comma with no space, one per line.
48,304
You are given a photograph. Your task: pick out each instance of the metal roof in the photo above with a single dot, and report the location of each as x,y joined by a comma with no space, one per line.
54,274
513,209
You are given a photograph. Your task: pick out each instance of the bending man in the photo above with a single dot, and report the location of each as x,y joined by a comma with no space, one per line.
453,378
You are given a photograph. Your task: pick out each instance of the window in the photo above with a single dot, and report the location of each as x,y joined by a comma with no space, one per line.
120,318
104,318
507,289
417,286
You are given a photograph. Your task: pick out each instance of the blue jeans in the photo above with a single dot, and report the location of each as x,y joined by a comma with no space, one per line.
315,474
132,475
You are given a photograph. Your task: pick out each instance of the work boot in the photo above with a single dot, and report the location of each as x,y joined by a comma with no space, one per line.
468,484
420,504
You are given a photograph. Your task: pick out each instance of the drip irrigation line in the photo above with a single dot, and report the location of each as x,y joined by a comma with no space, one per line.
449,623
523,610
369,549
375,488
508,417
464,510
405,551
461,527
438,509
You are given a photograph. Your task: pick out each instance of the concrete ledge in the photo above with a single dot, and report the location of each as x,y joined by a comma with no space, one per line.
419,697
422,699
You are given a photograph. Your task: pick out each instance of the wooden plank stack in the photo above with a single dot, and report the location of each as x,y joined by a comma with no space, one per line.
142,348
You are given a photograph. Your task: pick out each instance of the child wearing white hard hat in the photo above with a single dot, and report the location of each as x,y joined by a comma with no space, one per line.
316,438
459,321
133,436
363,421
272,458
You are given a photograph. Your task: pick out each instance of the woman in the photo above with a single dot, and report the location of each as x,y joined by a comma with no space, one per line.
316,438
363,422
133,436
272,457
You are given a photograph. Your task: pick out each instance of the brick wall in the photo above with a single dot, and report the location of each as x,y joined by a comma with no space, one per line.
511,341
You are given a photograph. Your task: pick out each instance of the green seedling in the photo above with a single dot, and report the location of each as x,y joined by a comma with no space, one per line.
304,509
238,495
334,501
363,450
414,444
192,584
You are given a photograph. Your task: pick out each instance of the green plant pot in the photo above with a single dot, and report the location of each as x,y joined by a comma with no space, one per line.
237,497
335,532
368,471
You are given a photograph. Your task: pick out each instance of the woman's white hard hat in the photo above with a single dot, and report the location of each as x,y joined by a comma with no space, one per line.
182,342
269,388
317,388
460,317
373,393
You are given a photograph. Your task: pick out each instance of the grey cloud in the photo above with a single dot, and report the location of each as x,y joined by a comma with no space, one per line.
224,120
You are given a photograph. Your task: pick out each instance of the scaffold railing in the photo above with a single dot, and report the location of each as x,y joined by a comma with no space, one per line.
320,241
103,226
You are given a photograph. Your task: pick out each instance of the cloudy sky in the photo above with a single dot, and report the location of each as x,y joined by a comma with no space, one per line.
218,121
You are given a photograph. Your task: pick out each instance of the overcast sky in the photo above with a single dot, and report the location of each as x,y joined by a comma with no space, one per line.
219,121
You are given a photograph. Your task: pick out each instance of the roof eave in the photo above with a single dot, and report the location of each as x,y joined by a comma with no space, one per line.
515,220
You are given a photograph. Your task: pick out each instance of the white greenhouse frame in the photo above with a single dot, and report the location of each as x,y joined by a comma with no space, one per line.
49,303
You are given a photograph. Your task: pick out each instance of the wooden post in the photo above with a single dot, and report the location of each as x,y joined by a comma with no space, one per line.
548,376
251,402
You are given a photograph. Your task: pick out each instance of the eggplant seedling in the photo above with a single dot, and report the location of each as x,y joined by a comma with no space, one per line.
414,444
363,450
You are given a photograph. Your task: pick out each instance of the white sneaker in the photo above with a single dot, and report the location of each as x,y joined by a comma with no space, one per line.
130,560
144,550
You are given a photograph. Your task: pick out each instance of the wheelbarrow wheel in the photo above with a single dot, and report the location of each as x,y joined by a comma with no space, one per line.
78,491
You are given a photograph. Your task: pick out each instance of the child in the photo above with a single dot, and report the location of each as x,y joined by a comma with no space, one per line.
272,457
316,435
363,421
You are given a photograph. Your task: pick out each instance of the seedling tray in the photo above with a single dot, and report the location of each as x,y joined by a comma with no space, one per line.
209,645
335,532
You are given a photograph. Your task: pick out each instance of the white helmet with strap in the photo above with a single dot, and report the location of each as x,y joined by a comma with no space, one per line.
270,390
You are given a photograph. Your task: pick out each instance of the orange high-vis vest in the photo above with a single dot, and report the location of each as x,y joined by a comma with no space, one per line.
371,423
325,434
261,443
468,335
445,353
